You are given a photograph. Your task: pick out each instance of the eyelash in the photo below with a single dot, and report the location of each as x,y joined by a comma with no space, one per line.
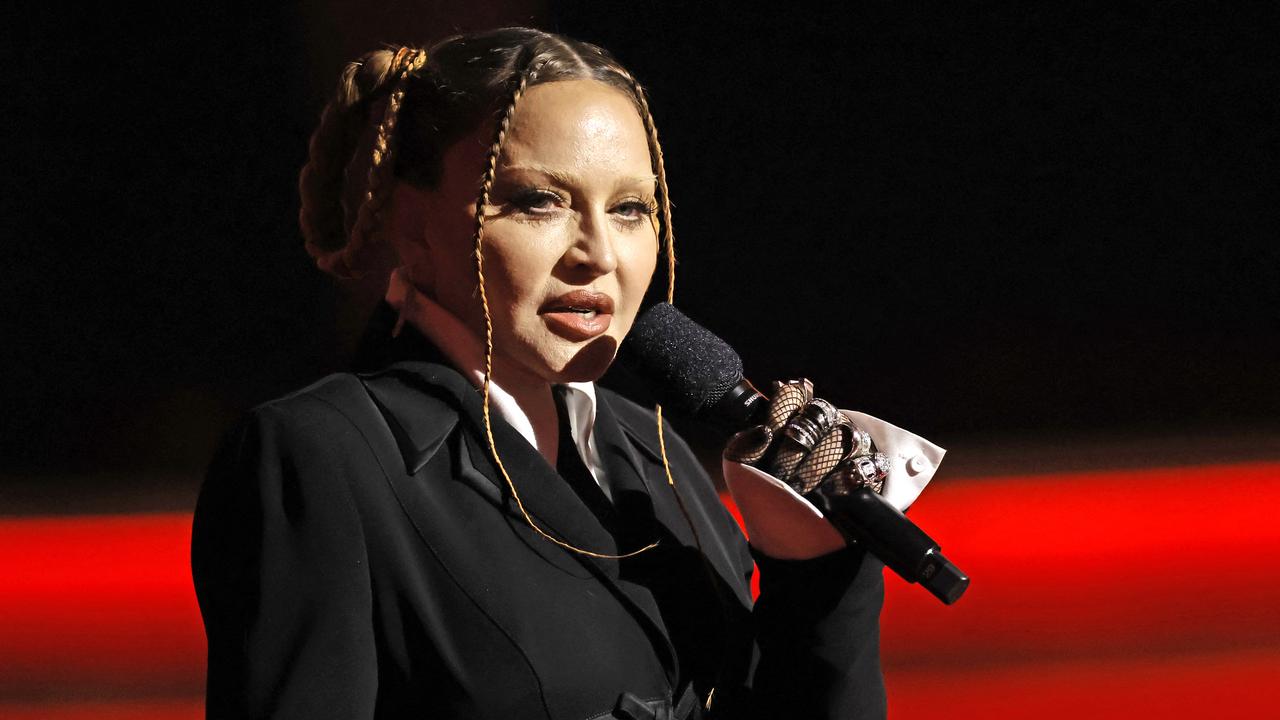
526,200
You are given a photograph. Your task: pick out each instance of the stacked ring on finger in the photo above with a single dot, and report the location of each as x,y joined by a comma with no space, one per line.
861,440
842,443
833,448
811,424
799,436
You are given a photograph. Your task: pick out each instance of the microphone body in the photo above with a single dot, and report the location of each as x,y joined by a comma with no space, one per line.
865,517
688,368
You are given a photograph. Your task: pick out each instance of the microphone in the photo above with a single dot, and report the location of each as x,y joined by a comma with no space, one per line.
688,368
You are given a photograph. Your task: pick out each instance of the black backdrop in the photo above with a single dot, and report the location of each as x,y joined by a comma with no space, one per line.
973,221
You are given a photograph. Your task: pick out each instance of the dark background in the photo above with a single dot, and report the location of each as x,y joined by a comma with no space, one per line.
978,223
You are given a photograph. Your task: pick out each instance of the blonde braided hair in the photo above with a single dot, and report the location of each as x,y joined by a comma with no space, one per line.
335,249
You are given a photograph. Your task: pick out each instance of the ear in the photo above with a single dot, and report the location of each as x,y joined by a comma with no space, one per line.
406,226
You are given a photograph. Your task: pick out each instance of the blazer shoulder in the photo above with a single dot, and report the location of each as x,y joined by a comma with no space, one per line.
321,418
316,425
336,392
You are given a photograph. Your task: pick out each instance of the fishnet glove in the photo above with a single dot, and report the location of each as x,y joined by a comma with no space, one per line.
809,444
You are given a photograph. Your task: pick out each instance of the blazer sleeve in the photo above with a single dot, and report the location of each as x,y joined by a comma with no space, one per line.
817,632
812,644
279,564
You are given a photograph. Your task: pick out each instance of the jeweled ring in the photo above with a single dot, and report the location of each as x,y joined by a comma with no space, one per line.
861,441
867,471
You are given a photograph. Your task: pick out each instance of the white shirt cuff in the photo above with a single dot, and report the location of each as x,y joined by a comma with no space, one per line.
784,525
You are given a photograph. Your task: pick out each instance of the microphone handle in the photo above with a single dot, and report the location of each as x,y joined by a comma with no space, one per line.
741,407
864,517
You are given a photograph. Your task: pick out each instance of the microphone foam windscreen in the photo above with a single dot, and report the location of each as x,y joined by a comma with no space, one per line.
684,365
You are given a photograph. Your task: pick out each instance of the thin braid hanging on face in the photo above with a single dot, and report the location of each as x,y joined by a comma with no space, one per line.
486,186
669,242
668,239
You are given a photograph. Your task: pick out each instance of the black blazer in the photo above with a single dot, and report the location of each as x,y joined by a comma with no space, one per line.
356,555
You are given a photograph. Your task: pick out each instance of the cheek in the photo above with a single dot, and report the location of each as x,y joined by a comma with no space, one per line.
637,266
449,251
518,267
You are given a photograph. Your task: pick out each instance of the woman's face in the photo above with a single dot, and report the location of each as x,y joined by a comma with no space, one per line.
570,241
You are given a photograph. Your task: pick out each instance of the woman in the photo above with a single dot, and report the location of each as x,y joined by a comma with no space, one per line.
467,527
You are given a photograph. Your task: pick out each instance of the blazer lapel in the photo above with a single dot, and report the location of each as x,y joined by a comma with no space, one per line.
404,393
424,399
544,494
559,511
643,440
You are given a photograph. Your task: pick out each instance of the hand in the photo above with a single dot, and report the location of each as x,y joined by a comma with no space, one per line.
809,444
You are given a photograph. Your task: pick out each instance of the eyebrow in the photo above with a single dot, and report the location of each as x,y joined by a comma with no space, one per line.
565,178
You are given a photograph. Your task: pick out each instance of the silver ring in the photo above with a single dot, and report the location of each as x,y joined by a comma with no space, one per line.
861,441
867,471
813,421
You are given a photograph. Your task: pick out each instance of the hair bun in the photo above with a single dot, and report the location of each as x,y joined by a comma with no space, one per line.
407,60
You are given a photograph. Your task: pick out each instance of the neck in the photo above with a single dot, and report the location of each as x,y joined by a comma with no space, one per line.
465,350
533,395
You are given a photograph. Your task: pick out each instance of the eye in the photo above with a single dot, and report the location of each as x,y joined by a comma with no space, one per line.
535,201
636,211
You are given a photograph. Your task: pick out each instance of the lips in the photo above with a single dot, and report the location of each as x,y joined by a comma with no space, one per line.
578,315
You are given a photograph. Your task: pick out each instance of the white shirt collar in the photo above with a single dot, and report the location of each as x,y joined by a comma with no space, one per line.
466,352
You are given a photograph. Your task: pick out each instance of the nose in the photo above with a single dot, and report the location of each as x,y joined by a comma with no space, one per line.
592,250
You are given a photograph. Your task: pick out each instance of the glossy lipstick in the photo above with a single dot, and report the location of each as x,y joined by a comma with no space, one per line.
579,315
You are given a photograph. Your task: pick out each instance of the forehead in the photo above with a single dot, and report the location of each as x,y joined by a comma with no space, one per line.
578,126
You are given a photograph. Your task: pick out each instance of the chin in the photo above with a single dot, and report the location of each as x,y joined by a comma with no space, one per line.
588,362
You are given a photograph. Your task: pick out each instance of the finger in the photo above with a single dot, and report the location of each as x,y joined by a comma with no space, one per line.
858,471
808,426
788,397
834,447
800,435
749,446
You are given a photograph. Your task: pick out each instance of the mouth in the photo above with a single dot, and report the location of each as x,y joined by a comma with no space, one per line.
578,315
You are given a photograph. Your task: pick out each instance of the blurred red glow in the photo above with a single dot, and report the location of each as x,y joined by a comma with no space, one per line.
99,602
1117,594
